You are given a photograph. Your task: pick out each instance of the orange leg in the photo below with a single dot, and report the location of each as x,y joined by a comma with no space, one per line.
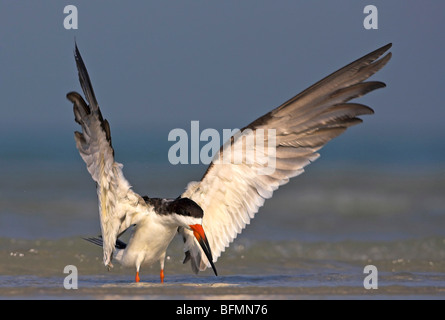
137,277
162,275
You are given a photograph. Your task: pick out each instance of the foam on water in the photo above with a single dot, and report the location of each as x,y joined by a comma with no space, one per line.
291,269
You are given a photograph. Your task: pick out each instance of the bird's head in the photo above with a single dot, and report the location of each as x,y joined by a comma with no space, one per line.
190,216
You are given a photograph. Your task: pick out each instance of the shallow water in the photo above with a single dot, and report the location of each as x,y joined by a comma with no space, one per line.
312,240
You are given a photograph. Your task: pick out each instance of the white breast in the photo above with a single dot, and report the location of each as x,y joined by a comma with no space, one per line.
148,242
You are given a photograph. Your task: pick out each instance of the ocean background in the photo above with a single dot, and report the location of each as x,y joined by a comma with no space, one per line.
311,240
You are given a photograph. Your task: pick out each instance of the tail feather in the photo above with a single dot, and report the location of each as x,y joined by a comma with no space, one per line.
99,242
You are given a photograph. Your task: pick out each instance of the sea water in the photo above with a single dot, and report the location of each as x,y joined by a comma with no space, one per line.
313,239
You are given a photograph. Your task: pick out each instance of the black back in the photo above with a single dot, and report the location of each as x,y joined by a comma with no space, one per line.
181,206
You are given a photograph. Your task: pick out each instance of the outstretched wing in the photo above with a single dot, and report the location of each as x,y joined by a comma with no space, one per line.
119,206
230,193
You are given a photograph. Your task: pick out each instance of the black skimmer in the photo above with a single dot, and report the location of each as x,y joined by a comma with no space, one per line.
230,193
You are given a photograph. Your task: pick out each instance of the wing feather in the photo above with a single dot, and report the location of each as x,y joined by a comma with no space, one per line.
119,206
231,193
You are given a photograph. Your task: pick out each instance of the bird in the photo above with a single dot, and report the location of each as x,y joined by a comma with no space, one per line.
230,193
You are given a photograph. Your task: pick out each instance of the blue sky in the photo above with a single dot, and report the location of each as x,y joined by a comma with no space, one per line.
157,65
